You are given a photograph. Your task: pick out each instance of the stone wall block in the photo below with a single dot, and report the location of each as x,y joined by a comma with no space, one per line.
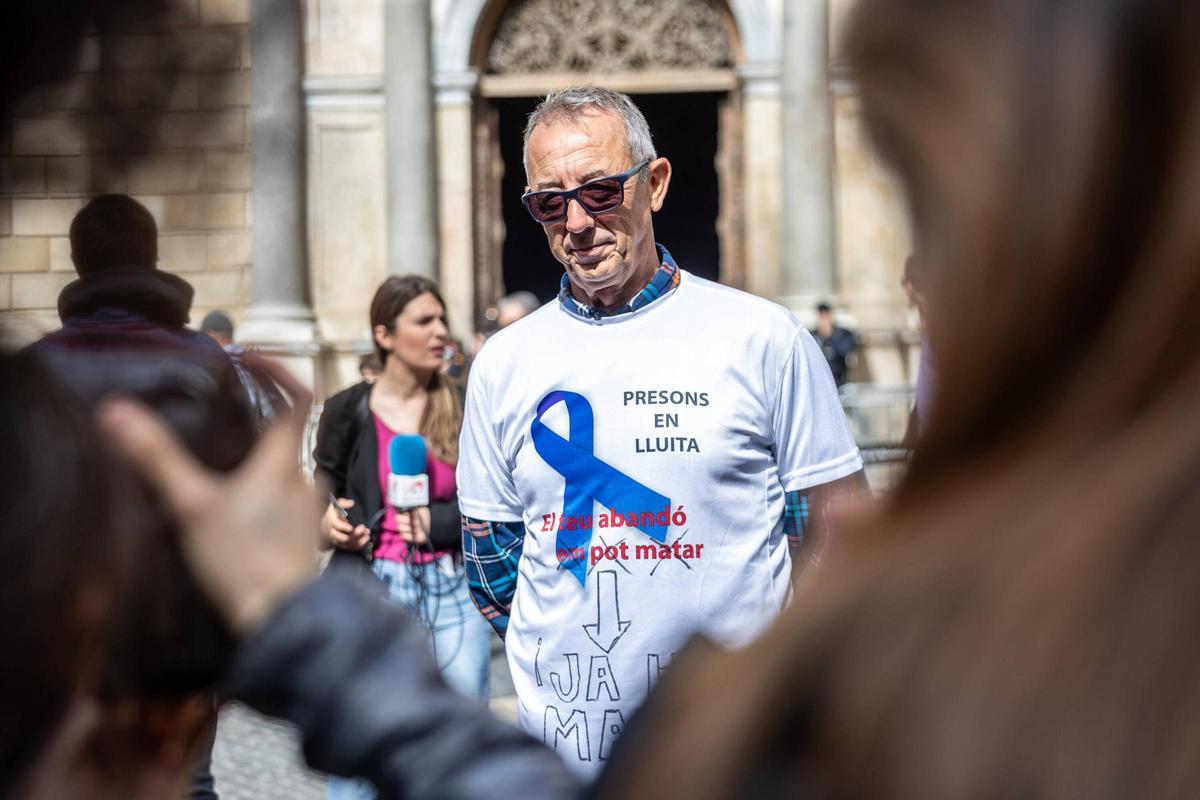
5,292
154,90
204,211
230,249
205,129
209,49
23,175
73,174
184,14
60,254
43,217
246,55
228,171
224,12
155,204
103,135
185,95
47,136
38,290
218,289
24,254
134,52
168,173
225,90
5,216
183,253
29,104
75,94
89,54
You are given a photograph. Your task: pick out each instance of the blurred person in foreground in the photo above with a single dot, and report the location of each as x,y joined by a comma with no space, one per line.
120,653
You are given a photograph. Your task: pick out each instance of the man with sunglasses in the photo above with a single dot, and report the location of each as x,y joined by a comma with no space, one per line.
642,459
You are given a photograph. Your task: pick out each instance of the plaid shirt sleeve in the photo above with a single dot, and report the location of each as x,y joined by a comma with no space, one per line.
491,551
795,520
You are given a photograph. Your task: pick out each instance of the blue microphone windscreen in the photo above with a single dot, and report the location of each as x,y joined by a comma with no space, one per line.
406,455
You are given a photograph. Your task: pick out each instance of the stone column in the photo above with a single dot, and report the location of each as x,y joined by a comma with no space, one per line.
280,318
411,152
762,146
454,100
809,257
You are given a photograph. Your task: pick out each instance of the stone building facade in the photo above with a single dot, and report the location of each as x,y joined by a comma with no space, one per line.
386,140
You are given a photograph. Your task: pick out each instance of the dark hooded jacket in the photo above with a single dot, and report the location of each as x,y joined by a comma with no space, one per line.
134,307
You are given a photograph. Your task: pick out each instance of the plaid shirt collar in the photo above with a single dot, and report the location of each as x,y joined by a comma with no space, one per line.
664,280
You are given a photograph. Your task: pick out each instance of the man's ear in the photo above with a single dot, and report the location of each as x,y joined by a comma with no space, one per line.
660,181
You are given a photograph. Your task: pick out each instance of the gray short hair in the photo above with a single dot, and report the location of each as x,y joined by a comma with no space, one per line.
574,102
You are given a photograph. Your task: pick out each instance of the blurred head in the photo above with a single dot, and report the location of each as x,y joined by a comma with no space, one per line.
1019,620
515,306
62,563
369,367
100,602
113,231
824,318
578,135
219,326
1051,201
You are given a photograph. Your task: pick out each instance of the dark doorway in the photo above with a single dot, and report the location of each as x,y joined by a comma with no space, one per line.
685,131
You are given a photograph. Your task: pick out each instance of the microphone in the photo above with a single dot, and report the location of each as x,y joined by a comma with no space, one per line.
408,485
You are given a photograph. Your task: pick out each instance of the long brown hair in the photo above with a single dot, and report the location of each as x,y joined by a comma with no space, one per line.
1020,619
441,421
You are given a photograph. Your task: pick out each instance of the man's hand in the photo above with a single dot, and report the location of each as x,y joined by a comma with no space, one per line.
413,525
248,536
337,531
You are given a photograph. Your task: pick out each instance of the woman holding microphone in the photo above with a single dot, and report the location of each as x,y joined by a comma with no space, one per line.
415,553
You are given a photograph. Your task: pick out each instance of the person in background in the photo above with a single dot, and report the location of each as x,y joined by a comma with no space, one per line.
120,294
369,367
515,306
417,553
837,344
456,364
265,397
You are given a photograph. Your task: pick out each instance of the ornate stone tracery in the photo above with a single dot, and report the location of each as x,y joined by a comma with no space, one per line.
609,36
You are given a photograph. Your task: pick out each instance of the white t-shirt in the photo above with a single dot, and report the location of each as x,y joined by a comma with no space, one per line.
688,418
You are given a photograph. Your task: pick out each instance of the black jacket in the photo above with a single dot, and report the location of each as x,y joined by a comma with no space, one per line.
328,660
347,456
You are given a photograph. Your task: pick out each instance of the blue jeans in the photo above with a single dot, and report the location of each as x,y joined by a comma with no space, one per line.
460,637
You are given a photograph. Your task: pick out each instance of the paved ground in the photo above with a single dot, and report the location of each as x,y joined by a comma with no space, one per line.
256,758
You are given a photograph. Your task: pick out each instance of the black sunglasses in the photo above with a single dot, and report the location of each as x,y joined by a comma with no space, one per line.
595,197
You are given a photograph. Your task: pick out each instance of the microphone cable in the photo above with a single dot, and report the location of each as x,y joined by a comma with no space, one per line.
433,586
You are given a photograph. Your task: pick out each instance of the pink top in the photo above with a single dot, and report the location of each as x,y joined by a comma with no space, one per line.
441,488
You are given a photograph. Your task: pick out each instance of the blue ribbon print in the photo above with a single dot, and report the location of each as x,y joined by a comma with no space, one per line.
587,479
